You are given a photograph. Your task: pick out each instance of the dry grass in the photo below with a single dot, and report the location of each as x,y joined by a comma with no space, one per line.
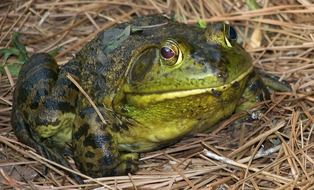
280,38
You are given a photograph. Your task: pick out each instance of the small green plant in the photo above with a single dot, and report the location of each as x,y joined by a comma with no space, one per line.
201,23
17,50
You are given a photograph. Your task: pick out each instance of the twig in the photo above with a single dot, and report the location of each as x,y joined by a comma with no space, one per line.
237,164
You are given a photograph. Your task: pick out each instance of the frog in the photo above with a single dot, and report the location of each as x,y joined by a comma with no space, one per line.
138,86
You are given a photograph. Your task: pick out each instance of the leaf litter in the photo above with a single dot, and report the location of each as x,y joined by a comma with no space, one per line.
276,151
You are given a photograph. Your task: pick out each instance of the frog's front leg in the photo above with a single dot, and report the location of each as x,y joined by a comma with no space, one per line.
255,91
96,150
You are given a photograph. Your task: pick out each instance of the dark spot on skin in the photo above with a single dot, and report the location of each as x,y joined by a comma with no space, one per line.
119,127
235,84
188,68
86,113
151,78
53,104
216,93
89,165
36,99
39,80
129,166
124,110
42,74
97,140
72,67
222,75
43,120
165,75
89,154
107,159
82,131
65,82
255,85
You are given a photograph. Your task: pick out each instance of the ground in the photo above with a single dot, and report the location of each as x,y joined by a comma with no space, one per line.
280,37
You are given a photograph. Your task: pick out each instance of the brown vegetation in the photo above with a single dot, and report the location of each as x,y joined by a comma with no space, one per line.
280,38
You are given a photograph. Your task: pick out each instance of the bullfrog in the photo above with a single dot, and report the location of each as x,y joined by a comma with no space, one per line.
136,87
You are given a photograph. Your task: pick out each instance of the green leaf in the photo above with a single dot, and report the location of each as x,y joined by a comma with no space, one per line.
252,4
201,23
14,69
54,52
7,52
18,50
22,56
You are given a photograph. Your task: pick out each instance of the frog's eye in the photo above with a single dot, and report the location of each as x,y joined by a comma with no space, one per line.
170,53
230,35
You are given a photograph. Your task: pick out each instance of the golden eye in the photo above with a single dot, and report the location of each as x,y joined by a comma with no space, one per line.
170,53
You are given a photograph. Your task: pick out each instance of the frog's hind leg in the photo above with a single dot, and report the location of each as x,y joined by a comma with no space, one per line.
96,151
41,97
35,78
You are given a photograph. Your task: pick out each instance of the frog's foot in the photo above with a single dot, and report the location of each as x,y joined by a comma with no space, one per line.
28,137
129,164
96,150
255,91
108,165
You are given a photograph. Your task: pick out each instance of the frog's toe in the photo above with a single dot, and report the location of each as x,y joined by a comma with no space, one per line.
129,164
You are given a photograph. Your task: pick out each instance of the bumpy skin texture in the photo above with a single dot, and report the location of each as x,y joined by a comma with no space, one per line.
147,100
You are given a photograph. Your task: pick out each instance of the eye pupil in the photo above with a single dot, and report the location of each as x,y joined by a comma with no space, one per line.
232,33
167,53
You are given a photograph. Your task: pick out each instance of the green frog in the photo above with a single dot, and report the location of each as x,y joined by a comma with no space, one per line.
136,87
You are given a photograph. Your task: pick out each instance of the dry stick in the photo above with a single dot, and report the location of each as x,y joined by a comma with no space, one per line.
275,104
219,182
68,29
56,42
177,149
8,73
7,179
247,15
47,162
293,155
252,158
234,163
274,164
183,176
87,97
15,23
17,163
105,3
258,138
131,179
160,176
90,36
44,161
260,154
6,101
4,19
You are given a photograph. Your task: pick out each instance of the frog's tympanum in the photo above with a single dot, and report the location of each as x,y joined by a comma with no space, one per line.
149,82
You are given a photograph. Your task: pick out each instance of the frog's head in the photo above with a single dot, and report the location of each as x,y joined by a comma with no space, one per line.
188,63
185,63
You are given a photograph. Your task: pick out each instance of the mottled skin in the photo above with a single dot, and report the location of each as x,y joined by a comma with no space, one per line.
148,101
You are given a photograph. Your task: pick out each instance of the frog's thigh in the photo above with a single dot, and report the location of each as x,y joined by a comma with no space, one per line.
95,150
254,92
56,112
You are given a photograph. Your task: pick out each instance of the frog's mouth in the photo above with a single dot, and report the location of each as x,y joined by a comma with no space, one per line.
147,98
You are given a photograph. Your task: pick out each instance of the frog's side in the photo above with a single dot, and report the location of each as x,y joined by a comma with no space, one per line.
153,81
